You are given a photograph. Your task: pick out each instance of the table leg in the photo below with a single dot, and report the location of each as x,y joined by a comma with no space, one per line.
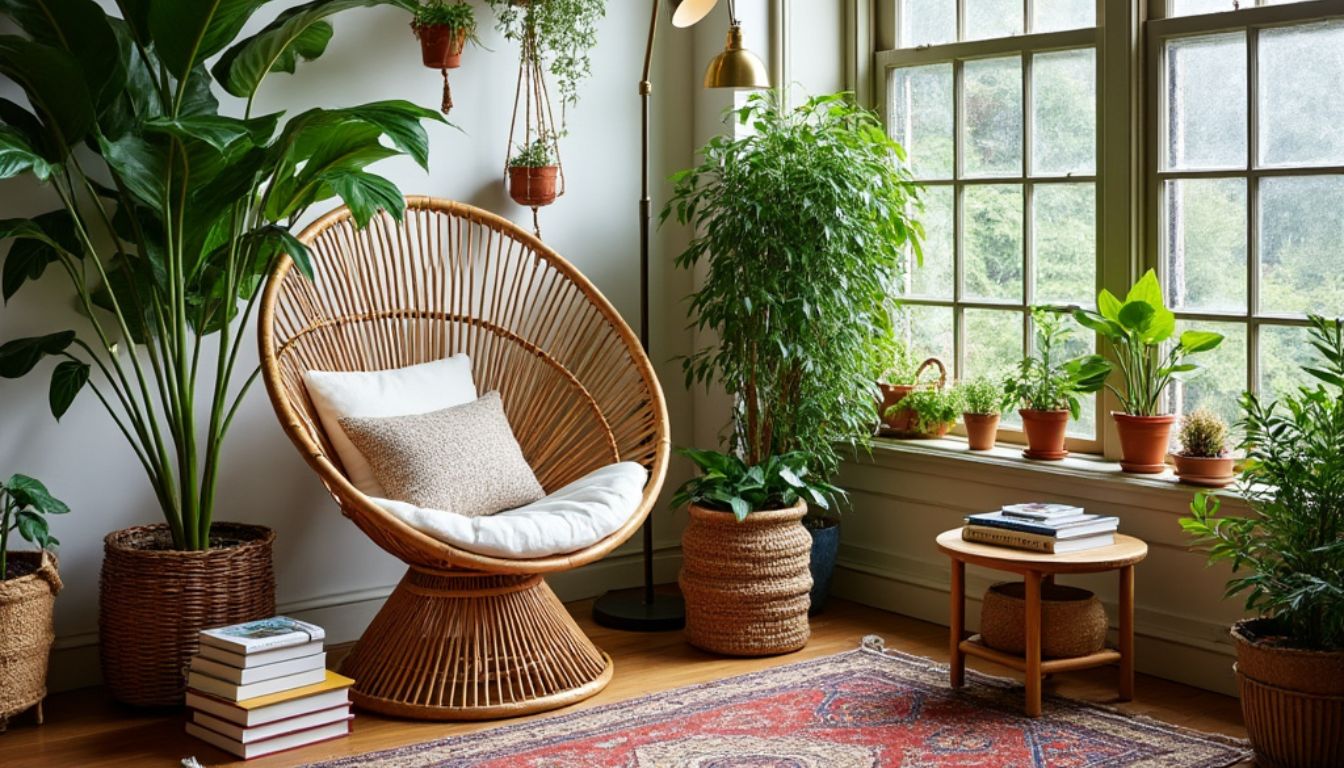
957,625
1127,633
1033,631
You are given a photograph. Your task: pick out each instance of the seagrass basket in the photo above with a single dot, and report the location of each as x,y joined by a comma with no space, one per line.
154,600
26,634
1073,620
747,584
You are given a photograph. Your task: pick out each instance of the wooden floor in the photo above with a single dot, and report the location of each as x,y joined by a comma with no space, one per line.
86,730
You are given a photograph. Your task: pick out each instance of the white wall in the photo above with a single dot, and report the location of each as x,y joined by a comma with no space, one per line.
326,569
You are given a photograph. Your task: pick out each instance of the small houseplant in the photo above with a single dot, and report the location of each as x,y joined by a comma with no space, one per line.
811,206
172,214
28,585
1048,389
1288,559
443,29
903,376
1140,330
533,172
565,32
934,410
983,402
1204,458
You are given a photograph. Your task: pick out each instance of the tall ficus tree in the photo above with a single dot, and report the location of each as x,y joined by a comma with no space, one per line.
172,213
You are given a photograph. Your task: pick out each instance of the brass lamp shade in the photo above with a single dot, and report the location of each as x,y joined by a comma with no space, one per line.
736,67
687,12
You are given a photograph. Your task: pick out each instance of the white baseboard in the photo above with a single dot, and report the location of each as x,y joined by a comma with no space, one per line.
74,658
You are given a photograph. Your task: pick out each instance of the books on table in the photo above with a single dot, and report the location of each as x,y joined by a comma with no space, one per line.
262,687
1041,527
1000,537
1070,528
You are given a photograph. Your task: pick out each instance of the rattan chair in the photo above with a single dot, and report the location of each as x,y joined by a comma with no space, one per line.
465,635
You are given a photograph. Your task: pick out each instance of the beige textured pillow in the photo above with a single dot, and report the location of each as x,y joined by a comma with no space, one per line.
463,459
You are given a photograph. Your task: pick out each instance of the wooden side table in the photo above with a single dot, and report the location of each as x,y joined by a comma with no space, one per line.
1036,567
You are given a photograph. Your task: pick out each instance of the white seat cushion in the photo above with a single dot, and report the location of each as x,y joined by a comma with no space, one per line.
573,518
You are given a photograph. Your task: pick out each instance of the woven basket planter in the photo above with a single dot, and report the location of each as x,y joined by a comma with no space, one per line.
746,584
1073,621
26,634
154,599
1291,699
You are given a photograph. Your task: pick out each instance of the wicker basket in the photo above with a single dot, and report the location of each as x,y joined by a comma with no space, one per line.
1292,700
1073,621
746,584
154,600
26,634
901,421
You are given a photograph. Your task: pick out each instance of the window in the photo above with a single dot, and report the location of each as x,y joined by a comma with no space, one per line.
1245,202
995,102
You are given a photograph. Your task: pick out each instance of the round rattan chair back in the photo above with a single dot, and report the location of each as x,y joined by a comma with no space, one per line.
577,388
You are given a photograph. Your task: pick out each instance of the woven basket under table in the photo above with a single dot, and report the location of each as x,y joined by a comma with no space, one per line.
1073,620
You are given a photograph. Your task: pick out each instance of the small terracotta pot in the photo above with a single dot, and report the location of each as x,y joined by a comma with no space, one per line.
1205,471
981,430
533,186
1143,442
1291,699
898,421
441,46
1045,434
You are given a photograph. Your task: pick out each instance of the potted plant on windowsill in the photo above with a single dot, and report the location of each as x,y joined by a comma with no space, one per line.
1288,559
1139,330
172,214
797,282
983,402
443,29
933,411
900,379
29,582
1048,389
533,173
1204,458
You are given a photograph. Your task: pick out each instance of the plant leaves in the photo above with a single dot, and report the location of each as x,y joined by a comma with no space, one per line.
187,32
1199,341
67,379
217,131
54,85
81,29
141,167
366,194
20,356
18,156
1147,290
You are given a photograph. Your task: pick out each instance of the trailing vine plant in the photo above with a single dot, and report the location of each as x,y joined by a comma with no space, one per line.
566,32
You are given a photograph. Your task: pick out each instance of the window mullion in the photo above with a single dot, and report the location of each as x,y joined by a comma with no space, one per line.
1252,209
958,217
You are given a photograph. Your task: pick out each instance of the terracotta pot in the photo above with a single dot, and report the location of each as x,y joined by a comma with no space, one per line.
981,430
533,186
747,584
1045,434
1205,471
1073,621
26,633
441,46
1291,699
901,422
1143,442
153,601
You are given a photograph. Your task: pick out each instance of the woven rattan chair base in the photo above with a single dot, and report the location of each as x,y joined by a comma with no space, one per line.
473,646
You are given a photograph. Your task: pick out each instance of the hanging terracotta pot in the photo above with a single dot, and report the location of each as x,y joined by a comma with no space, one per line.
533,186
1045,434
441,46
1143,442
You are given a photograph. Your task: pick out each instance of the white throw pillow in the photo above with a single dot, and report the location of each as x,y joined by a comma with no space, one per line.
415,389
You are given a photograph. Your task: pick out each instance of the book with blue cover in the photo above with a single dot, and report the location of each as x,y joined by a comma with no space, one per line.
1074,527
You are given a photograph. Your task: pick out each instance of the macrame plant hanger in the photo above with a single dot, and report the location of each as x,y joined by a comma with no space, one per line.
533,186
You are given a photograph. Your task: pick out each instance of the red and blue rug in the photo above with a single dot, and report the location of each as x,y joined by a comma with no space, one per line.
863,709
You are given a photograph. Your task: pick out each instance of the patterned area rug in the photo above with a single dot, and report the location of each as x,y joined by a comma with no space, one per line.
862,709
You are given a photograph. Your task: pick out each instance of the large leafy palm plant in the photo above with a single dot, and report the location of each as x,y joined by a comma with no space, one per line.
172,213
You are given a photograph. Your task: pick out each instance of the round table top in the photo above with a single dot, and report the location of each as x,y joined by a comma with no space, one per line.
1126,550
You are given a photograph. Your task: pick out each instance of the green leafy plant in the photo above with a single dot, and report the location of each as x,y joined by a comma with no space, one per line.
172,213
565,33
1139,328
903,369
1203,434
728,484
983,396
23,502
454,15
932,407
1045,383
538,154
800,230
1288,558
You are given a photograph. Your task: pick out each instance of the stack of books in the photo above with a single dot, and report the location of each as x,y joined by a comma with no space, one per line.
263,687
1041,527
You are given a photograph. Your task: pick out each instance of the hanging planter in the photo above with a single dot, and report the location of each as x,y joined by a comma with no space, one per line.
532,171
564,32
443,30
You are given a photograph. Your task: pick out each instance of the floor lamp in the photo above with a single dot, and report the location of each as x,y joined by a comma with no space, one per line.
642,609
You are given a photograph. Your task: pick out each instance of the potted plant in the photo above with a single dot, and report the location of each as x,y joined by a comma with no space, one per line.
983,402
1204,458
1139,329
1047,389
172,215
443,29
565,33
799,348
1288,559
900,379
533,173
28,585
934,411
